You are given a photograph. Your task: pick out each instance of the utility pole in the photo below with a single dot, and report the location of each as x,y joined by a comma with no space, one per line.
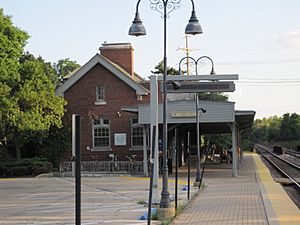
187,51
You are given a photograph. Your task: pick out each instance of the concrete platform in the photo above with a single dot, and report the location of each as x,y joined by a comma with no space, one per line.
251,198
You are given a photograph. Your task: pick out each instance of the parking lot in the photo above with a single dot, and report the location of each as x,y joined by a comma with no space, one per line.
105,200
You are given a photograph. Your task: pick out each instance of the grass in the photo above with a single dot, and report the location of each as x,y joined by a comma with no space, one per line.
166,222
141,202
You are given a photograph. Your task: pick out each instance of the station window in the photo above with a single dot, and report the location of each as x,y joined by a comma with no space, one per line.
101,133
137,131
100,93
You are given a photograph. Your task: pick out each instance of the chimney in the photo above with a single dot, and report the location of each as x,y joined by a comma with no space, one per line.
119,53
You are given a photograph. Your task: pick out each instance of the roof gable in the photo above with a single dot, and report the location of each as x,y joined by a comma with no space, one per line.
112,67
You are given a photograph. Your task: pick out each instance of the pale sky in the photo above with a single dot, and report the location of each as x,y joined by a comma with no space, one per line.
258,39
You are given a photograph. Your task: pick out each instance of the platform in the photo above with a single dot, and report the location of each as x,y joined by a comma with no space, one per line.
251,198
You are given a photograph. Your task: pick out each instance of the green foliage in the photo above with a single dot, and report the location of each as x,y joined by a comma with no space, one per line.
21,167
38,108
47,67
12,42
290,127
213,96
277,130
64,67
220,140
28,104
56,145
166,222
159,69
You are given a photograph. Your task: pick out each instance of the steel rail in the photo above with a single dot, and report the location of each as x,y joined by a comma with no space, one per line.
278,157
261,147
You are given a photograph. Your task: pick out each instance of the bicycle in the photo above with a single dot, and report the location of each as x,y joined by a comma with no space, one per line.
131,165
114,165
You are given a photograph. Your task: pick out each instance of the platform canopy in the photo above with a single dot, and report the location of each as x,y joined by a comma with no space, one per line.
218,117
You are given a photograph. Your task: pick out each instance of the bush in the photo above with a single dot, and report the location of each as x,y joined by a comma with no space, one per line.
23,167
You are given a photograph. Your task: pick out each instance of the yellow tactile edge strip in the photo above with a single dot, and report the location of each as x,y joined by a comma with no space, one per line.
279,207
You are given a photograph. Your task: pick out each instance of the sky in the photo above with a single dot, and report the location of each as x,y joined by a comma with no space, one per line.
259,40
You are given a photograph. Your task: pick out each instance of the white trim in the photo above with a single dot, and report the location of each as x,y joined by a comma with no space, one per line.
138,148
140,90
101,149
100,103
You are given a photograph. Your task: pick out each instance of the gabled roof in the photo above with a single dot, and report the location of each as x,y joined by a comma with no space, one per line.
112,67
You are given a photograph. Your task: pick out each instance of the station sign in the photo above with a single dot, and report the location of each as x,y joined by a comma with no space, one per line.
198,87
183,114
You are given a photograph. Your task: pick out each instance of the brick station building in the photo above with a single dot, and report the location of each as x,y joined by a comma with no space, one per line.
113,103
97,91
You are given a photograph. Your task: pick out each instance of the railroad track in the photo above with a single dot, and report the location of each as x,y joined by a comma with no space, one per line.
292,153
287,168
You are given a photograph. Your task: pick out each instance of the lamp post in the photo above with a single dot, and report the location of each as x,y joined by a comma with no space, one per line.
137,29
212,72
198,133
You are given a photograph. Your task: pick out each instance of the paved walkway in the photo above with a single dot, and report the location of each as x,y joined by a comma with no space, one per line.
252,198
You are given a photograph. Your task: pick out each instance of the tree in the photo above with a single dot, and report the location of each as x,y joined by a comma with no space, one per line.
38,106
159,69
213,96
12,42
64,67
281,130
290,126
274,128
209,96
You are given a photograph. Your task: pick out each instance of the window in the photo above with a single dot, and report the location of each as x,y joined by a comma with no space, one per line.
101,133
100,93
137,139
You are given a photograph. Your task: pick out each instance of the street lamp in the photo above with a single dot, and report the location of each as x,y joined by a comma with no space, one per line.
137,29
212,72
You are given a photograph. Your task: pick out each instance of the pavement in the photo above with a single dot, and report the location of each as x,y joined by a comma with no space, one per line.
112,200
251,198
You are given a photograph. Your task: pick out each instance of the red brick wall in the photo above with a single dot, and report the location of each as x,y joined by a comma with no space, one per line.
81,99
121,56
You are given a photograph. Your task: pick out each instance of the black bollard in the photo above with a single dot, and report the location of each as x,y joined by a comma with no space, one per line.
189,163
76,120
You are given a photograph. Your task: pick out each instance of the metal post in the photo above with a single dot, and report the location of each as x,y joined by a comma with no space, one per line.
176,166
154,125
234,155
77,170
165,195
145,158
73,143
189,163
151,177
198,175
203,168
137,29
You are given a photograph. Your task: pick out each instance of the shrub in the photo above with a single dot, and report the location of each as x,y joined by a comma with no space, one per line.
22,167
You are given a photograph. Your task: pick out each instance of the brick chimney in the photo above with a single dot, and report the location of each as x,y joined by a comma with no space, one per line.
119,53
